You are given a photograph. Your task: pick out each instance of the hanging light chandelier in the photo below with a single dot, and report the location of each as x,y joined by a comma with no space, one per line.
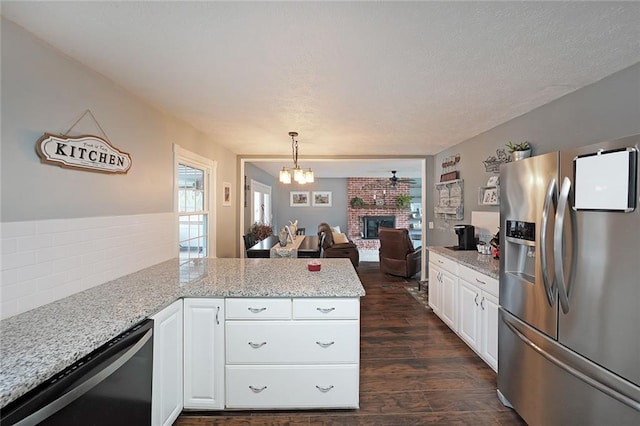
299,175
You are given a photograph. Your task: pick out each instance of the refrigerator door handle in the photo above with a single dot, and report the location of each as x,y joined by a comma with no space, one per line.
558,246
549,201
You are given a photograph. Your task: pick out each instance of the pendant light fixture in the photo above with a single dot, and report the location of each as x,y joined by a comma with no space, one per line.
299,175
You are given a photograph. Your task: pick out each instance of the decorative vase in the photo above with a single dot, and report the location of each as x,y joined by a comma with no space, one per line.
282,237
521,155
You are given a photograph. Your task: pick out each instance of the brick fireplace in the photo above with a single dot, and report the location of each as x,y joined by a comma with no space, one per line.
379,201
372,224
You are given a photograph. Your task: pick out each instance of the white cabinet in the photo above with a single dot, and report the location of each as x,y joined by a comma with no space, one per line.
478,308
310,360
434,287
204,353
467,301
489,324
166,402
443,289
292,342
292,386
469,324
449,299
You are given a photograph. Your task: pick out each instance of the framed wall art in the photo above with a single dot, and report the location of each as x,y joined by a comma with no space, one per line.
299,199
226,194
321,199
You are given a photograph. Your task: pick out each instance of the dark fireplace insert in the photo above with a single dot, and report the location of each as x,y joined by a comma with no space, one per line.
372,223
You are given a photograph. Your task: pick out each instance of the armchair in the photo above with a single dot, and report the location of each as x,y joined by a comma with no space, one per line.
397,255
332,248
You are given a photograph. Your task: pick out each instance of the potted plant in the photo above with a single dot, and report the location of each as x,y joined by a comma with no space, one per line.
403,200
261,231
519,150
356,202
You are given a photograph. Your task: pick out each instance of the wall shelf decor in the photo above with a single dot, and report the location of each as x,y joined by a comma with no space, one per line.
489,196
492,163
448,200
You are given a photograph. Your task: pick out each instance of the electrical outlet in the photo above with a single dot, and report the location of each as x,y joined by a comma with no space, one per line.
430,225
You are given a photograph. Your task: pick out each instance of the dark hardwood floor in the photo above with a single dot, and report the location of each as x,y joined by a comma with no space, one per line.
414,371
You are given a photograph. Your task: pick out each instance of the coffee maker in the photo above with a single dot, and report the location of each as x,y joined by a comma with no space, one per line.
466,237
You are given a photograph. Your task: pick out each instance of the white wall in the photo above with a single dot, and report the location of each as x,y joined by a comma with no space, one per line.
46,260
45,91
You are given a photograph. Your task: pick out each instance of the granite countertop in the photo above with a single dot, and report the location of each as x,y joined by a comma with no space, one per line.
37,344
483,263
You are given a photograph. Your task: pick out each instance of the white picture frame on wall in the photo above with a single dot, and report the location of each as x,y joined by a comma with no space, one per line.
321,199
226,194
299,199
489,196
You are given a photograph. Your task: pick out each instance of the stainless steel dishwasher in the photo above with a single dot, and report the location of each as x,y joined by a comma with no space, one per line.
110,386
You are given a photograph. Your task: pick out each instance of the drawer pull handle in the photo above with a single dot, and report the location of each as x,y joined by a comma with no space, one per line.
440,261
481,282
257,345
256,310
323,389
257,390
324,344
325,310
476,299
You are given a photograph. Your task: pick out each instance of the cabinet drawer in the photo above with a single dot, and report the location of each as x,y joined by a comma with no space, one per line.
443,263
292,342
258,308
483,282
326,308
293,386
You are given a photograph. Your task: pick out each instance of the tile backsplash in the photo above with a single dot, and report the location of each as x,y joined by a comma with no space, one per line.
43,261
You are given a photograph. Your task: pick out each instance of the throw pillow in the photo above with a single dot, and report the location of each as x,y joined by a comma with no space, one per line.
339,238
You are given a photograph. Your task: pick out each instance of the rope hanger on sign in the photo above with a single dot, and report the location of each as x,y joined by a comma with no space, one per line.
93,117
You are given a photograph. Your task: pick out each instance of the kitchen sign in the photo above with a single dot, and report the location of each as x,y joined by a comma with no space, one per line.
90,153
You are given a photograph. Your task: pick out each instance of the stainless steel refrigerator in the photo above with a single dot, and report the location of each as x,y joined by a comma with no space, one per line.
569,329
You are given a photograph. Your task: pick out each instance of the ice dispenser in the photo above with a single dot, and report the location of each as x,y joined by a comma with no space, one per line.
520,249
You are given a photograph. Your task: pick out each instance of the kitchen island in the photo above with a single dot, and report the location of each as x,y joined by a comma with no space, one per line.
37,344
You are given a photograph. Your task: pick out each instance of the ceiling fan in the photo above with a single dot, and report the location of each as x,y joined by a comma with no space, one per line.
394,180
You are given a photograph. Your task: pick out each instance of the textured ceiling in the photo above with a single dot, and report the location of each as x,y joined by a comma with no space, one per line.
353,78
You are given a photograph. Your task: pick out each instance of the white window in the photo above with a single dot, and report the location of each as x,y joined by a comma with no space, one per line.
193,195
260,203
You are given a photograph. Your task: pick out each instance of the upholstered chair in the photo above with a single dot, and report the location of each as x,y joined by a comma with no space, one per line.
397,255
331,247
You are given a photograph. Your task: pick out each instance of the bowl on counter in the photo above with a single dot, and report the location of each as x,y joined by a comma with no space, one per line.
484,249
314,266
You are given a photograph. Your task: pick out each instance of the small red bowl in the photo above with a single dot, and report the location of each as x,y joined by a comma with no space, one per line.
313,267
